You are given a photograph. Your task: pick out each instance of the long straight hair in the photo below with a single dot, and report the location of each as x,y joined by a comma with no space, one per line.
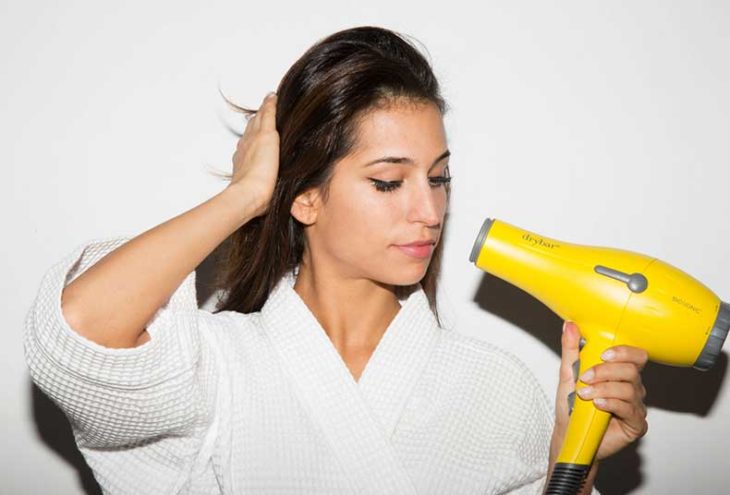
320,100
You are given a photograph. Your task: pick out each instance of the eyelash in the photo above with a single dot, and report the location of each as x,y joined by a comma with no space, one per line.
389,186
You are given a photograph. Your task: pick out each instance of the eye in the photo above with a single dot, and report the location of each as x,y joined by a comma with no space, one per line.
388,186
440,180
444,179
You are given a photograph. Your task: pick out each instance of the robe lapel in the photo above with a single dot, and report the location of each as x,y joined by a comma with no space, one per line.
401,357
357,418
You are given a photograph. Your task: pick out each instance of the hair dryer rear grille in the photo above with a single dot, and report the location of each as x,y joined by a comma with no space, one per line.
567,479
715,340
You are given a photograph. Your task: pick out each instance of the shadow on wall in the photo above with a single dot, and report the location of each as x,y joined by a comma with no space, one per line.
55,431
691,391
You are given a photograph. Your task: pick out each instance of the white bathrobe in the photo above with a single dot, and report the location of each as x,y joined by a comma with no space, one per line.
263,403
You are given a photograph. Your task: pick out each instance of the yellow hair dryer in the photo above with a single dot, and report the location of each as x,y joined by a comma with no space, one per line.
616,297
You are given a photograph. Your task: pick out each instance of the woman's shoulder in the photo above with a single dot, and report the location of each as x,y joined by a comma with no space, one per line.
488,370
235,332
232,323
478,353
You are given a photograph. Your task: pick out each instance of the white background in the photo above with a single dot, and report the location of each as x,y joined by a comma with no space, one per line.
602,123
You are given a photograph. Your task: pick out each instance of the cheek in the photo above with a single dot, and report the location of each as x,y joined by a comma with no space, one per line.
364,219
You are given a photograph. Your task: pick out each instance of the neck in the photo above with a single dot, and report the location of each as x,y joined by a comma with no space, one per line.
354,312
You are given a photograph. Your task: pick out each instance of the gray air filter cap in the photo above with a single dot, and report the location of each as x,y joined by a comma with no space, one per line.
715,340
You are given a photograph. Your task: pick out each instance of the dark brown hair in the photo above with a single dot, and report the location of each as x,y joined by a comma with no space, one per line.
320,101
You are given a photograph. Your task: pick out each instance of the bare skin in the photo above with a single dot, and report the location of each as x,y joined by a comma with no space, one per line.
112,301
351,263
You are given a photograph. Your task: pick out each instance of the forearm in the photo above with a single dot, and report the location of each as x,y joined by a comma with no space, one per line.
111,302
590,479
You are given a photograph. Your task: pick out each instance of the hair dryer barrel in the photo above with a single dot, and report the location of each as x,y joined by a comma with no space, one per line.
557,273
621,296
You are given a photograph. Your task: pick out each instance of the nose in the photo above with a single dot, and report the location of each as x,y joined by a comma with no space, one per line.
426,205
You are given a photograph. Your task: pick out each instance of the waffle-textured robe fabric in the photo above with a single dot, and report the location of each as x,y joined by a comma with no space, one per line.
263,403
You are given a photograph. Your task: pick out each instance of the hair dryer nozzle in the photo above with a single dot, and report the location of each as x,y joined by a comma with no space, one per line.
480,239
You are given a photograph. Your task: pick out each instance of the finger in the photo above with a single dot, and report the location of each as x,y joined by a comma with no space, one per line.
626,353
618,372
570,352
258,117
249,126
632,415
256,121
268,117
610,390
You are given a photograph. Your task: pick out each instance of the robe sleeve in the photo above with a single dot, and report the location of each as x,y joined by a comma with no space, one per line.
117,398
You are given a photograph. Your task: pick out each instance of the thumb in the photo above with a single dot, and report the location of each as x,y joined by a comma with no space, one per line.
570,342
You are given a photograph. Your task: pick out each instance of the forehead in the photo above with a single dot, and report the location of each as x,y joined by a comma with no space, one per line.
414,127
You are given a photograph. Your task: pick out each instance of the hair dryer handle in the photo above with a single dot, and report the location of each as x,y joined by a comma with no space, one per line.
586,426
587,423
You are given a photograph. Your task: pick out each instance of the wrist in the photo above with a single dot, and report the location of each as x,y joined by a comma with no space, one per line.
556,440
244,202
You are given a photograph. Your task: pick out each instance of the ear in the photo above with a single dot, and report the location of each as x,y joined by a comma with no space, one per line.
306,206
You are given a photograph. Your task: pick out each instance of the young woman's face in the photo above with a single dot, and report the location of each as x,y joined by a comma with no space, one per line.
387,193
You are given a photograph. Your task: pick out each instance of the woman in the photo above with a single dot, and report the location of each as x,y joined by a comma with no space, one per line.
325,368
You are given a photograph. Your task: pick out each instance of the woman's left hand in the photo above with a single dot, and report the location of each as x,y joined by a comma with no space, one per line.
616,381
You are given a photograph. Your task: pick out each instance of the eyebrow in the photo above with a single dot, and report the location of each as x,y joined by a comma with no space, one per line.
405,160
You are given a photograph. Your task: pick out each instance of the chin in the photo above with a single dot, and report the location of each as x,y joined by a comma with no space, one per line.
406,275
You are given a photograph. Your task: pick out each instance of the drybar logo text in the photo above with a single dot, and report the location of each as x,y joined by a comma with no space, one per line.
539,241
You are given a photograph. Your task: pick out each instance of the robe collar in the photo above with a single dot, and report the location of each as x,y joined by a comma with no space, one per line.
358,418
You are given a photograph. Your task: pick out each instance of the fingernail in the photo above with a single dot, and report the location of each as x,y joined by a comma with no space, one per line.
587,376
585,392
270,94
599,402
608,355
564,323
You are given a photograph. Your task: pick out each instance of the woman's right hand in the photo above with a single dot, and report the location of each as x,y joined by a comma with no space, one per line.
256,159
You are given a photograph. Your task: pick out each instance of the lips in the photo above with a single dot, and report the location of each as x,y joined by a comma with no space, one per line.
418,243
419,249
